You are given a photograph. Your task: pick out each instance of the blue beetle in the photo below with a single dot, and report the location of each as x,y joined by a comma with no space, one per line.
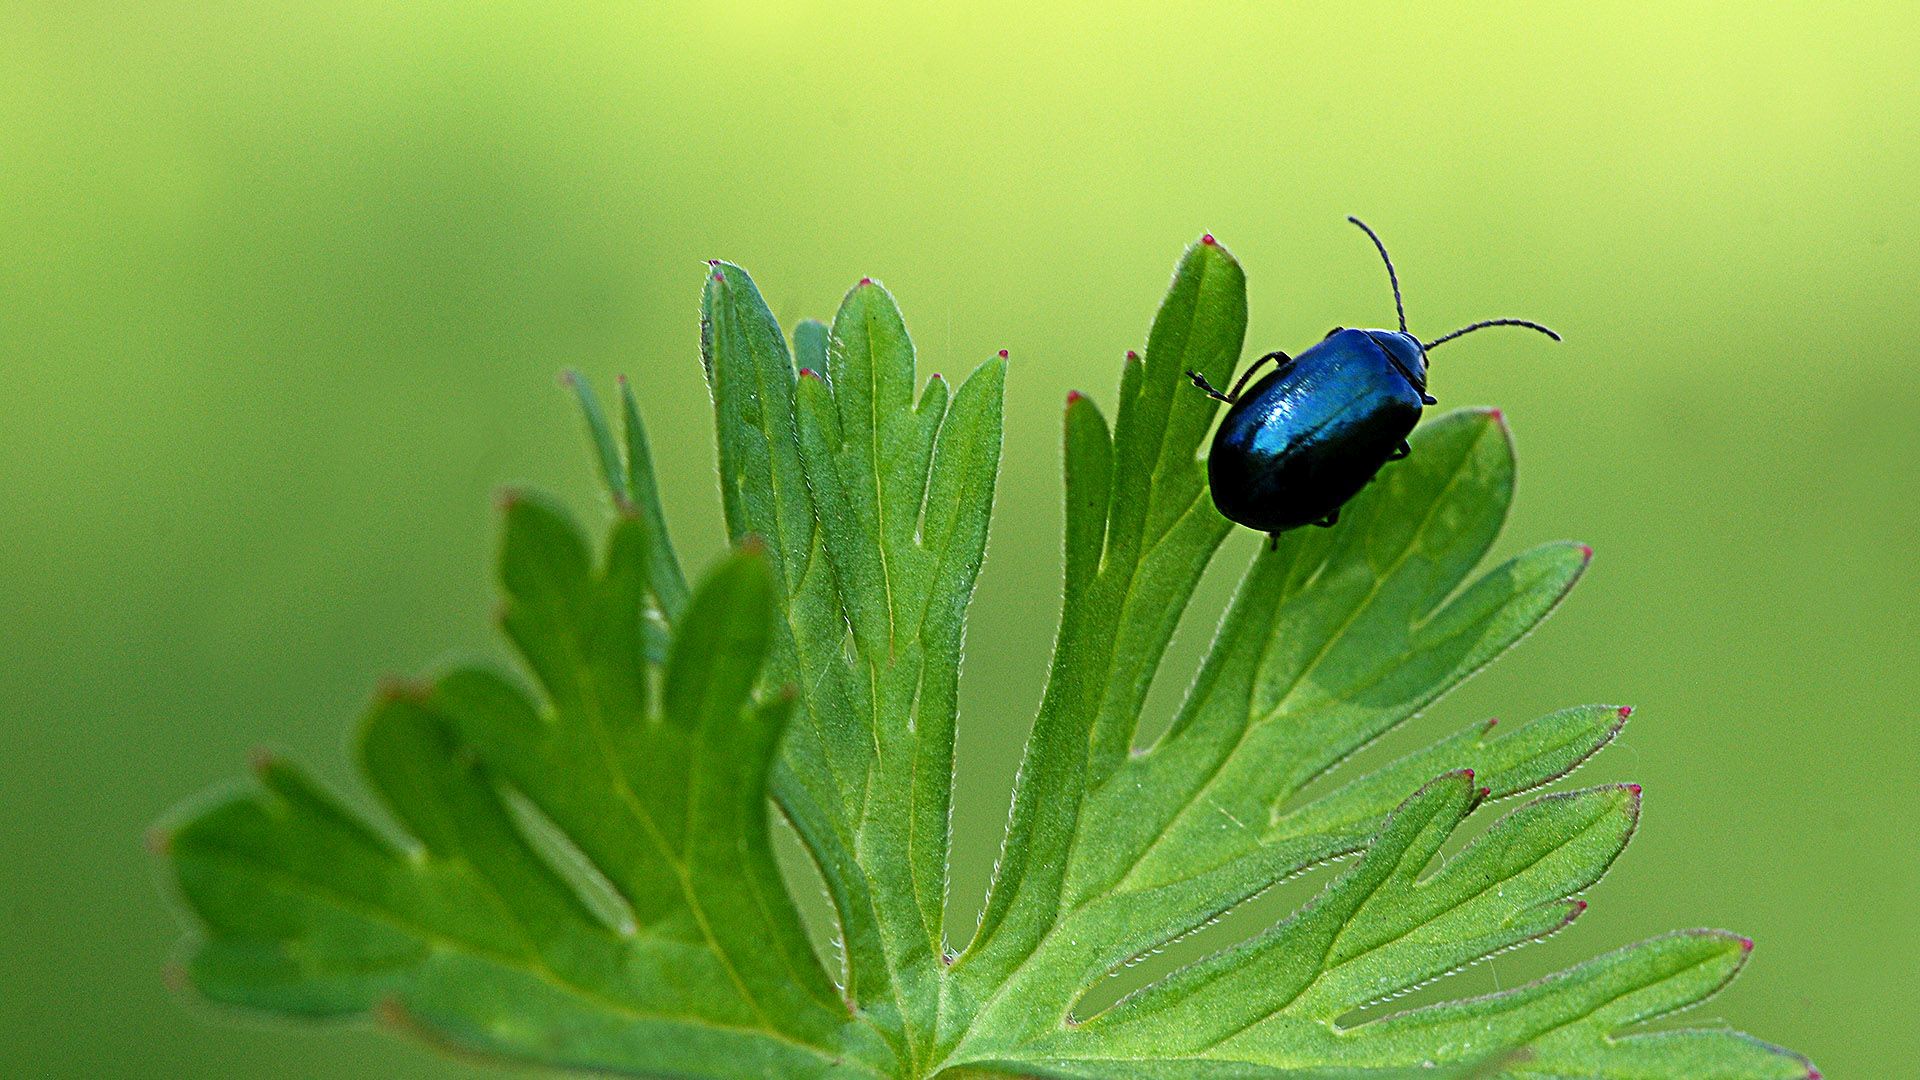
1310,434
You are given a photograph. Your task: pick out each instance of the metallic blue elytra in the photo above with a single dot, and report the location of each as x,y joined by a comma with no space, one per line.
1313,432
1316,429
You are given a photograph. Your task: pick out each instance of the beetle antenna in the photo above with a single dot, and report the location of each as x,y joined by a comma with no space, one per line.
1392,278
1482,325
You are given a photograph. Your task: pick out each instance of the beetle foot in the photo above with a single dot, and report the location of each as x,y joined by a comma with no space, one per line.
1329,521
1200,381
1429,399
1405,449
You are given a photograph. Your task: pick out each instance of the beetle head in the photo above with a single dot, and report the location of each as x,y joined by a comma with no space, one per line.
1405,352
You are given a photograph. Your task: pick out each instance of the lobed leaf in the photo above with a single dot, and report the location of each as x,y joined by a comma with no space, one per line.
585,878
580,873
1159,532
1270,1004
898,494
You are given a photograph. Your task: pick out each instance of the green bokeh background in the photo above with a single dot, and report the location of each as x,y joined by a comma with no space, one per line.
283,289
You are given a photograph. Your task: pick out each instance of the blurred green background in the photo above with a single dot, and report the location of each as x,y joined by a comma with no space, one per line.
283,289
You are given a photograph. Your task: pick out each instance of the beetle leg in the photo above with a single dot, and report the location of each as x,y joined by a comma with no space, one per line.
1335,330
1280,361
1405,449
1429,399
1329,521
1273,541
1200,381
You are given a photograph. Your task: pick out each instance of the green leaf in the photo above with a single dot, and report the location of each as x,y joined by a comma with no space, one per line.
579,872
1159,532
897,495
1384,928
640,925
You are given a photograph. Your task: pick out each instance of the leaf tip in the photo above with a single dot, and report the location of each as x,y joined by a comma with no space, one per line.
1133,357
1746,945
1586,552
396,688
809,373
1497,416
507,498
621,379
175,977
1003,354
389,1013
260,760
1574,910
1075,397
864,283
1468,773
1207,239
1626,711
1635,789
159,840
752,544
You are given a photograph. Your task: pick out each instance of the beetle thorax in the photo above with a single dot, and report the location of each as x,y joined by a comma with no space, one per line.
1406,353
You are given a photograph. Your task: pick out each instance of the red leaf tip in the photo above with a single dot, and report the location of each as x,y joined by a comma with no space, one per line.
621,379
1813,1073
1497,416
1468,773
1134,356
1209,240
1626,711
159,841
808,373
1746,944
259,759
936,377
1075,396
1003,354
394,688
1486,792
1586,552
1579,906
390,1012
865,281
1635,788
